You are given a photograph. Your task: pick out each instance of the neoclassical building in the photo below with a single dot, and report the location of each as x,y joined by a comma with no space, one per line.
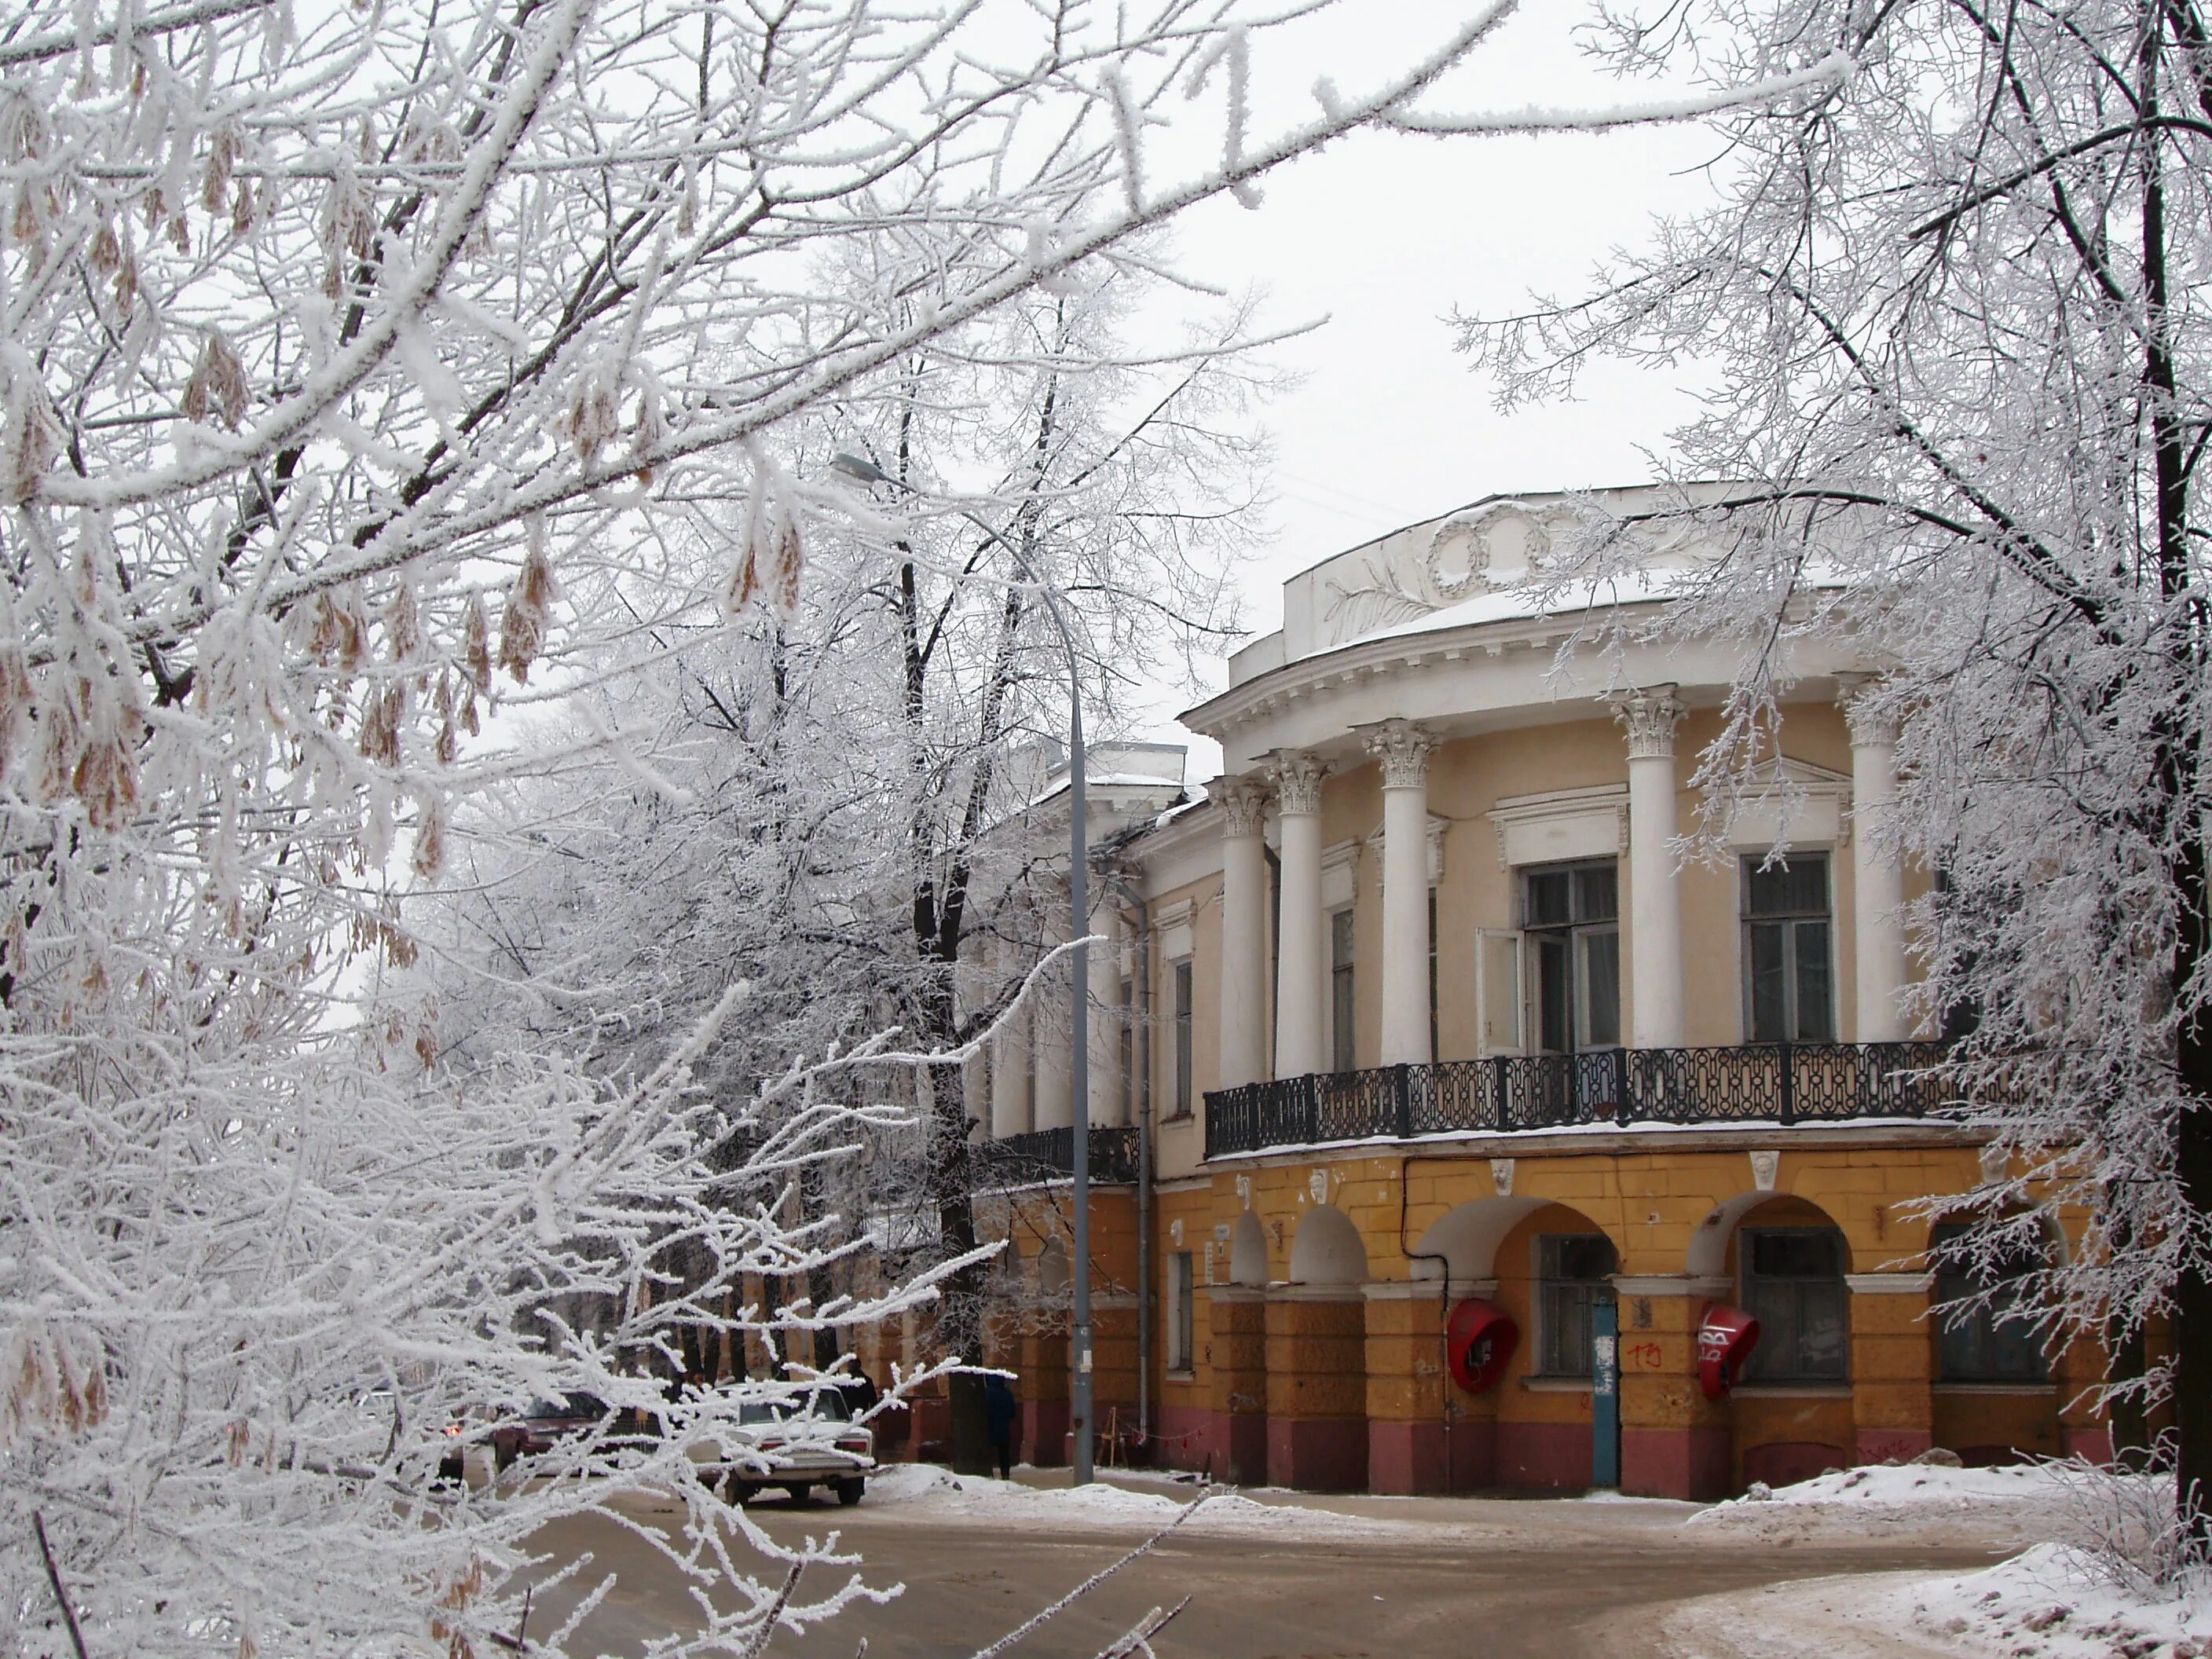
1443,1108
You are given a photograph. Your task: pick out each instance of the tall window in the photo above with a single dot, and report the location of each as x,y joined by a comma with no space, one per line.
1793,1285
1573,1273
1182,1052
1125,1046
1995,1340
1435,1053
1788,991
1340,989
1181,1346
1571,913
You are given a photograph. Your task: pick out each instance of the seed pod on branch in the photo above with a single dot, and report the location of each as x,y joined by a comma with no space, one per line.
529,608
218,384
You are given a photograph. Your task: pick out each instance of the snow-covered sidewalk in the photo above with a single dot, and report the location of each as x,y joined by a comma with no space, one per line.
1917,1502
2053,1600
926,1490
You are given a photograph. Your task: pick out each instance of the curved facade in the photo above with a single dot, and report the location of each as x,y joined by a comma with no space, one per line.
1428,1011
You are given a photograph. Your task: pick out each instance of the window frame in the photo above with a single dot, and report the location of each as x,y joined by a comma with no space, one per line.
1184,993
1789,922
1182,1322
1550,1289
1343,989
1574,937
1765,1368
1975,1328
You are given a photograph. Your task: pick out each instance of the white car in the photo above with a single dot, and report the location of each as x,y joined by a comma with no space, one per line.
797,1444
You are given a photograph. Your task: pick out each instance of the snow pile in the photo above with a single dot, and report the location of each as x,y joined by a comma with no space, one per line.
2023,1503
926,1489
2048,1603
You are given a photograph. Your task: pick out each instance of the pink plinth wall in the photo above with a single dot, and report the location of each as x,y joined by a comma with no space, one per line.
1233,1447
929,1438
1317,1454
1408,1458
1044,1433
1240,1448
1879,1446
1549,1455
1188,1435
1690,1463
2092,1445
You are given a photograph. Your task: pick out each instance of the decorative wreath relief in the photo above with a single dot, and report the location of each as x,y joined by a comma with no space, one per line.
1466,549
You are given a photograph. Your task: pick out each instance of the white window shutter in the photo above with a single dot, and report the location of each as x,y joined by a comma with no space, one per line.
1498,992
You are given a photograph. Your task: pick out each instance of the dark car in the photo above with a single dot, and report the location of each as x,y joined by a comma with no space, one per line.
539,1428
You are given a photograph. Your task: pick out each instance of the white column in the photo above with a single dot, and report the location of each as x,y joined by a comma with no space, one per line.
1301,979
1010,1069
1403,748
975,1071
1243,803
1106,1015
1877,880
1054,1105
1655,915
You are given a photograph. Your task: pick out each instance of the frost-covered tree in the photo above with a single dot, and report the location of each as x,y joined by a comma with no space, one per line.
1958,310
824,802
340,343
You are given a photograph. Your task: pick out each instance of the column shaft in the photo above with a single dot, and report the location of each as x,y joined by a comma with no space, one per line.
1877,881
1301,979
1106,1015
1404,749
1244,933
1655,943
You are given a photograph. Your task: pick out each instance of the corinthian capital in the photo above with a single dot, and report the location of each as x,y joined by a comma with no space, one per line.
1857,696
1244,804
1649,715
1297,775
1403,748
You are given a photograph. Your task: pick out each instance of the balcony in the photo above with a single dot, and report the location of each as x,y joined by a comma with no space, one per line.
1048,1155
1767,1083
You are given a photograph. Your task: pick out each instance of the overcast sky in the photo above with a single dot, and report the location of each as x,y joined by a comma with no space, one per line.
1386,235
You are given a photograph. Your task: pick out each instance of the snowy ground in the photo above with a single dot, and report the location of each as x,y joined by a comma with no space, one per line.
2022,1505
2050,1601
926,1490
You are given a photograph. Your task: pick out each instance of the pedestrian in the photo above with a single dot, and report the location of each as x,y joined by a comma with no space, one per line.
999,1407
861,1394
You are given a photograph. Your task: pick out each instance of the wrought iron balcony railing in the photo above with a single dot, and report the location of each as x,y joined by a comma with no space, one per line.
1044,1154
1787,1083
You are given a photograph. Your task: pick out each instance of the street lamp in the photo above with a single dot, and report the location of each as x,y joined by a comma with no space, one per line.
863,470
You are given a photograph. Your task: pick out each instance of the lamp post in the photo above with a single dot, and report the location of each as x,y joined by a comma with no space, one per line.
863,470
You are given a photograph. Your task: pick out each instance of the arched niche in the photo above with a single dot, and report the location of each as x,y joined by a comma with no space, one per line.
1468,1235
1326,1249
1709,1246
1052,1269
1247,1251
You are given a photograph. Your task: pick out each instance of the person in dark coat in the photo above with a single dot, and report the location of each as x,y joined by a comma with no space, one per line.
861,1394
999,1407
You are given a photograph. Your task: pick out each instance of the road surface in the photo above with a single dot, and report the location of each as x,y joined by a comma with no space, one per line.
1486,1579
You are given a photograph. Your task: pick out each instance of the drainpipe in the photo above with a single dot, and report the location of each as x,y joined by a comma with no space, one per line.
1406,1160
1143,1001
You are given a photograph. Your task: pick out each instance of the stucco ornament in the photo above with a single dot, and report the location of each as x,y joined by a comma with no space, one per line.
1501,1175
1297,778
1467,548
1175,1229
1243,803
1649,714
1765,1168
1244,1191
1996,1162
1318,1184
1403,748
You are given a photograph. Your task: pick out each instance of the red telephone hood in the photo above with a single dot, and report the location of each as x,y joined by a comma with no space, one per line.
1726,1337
1479,1340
